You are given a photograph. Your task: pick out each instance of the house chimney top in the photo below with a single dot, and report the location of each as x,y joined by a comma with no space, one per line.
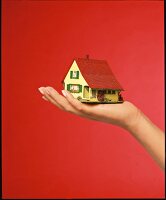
87,56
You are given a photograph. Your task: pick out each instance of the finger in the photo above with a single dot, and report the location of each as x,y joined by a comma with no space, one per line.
76,103
61,101
52,96
47,97
44,98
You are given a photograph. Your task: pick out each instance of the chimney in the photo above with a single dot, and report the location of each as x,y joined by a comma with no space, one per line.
87,56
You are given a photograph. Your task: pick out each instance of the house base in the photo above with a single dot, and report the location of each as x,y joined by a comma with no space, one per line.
99,102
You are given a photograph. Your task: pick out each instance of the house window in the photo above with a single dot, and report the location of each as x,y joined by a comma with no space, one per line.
110,91
94,93
74,88
74,74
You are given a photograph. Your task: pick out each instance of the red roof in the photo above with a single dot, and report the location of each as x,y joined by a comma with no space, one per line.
97,74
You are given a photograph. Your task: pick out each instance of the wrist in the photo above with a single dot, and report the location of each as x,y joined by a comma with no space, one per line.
133,122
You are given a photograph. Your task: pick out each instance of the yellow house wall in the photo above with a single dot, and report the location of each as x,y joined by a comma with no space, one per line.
81,80
112,97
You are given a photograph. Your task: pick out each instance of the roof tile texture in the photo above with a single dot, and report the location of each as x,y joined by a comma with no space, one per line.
98,74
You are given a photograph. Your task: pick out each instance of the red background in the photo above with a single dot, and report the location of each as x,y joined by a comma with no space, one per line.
48,153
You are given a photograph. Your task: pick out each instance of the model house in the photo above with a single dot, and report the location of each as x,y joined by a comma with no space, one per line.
92,81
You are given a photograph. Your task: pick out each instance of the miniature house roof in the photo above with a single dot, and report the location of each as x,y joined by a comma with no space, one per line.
97,74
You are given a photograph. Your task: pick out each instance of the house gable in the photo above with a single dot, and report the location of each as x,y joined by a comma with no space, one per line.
76,80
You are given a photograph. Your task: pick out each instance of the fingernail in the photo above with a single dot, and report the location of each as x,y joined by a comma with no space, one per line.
64,93
41,90
47,91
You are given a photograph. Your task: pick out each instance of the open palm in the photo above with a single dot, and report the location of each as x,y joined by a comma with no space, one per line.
118,114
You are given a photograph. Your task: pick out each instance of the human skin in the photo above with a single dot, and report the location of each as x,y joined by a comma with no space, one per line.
125,115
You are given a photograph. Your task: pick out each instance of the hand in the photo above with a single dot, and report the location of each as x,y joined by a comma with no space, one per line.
124,115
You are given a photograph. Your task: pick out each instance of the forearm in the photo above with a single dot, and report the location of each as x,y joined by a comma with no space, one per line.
151,137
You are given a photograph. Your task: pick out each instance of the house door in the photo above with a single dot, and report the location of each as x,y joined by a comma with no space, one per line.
100,95
86,92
